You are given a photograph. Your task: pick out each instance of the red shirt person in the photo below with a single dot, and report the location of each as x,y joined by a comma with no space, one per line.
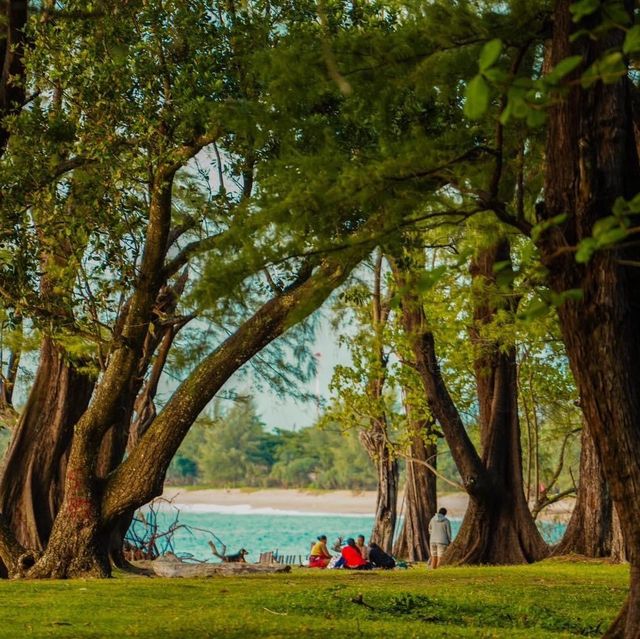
353,558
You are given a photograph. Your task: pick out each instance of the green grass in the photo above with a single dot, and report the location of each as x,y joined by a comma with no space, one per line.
548,600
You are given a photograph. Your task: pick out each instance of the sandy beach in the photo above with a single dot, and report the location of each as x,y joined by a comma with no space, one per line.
337,501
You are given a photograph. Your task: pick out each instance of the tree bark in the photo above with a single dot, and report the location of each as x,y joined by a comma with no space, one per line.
420,496
590,529
497,527
375,443
32,486
591,161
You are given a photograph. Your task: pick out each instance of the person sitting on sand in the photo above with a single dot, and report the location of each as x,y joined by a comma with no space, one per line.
320,555
362,547
352,557
379,558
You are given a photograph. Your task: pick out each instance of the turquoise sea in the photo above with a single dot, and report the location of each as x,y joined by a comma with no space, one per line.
262,530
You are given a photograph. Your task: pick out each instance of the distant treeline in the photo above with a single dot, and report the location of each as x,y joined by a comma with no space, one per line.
235,450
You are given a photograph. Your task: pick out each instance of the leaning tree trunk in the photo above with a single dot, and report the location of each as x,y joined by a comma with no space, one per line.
32,486
78,543
592,161
590,528
420,496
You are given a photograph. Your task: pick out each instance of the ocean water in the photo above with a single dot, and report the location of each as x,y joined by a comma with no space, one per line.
264,529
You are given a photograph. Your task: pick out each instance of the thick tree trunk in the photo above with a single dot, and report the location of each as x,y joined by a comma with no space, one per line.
420,497
32,486
590,528
498,527
375,442
79,540
618,547
591,161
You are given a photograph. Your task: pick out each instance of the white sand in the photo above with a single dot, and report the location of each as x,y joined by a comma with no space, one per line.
337,501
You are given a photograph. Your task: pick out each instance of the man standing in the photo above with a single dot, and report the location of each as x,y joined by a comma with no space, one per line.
439,536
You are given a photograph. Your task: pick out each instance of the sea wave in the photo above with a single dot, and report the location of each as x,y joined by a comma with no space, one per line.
247,509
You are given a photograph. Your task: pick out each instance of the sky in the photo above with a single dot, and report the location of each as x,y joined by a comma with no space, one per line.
288,413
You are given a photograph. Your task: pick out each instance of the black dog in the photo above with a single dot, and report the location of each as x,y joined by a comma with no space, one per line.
236,557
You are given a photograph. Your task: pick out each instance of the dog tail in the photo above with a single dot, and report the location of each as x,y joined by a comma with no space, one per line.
214,550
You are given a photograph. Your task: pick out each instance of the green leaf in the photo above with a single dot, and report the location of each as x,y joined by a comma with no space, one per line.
604,224
429,279
536,118
608,69
586,249
490,54
564,68
632,40
583,8
572,294
506,113
615,13
535,309
496,75
612,236
541,227
476,98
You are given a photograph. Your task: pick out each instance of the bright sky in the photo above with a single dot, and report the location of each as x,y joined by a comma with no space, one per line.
288,413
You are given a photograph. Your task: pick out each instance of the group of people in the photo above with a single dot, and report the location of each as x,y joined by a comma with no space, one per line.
355,554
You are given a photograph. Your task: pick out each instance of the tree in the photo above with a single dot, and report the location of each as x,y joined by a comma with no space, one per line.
592,169
158,142
498,527
366,403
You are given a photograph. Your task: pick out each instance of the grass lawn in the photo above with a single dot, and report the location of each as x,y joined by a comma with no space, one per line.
552,599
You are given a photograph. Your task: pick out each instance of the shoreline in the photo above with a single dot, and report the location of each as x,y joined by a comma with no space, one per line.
338,502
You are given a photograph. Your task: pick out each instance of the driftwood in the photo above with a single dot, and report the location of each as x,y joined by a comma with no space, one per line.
173,567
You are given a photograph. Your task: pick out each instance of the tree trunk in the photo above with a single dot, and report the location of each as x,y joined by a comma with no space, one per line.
618,547
79,539
32,486
591,161
590,528
420,497
375,443
498,527
375,439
